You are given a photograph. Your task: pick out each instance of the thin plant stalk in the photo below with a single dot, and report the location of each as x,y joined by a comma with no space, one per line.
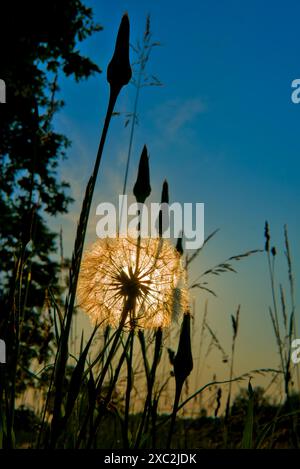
150,376
76,260
235,325
143,59
128,388
95,425
112,351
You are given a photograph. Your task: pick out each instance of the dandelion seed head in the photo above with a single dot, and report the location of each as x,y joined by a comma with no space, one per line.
147,274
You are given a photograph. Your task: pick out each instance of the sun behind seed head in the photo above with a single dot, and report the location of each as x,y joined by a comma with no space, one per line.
147,276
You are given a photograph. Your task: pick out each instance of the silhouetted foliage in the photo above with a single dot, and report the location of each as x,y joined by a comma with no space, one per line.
39,41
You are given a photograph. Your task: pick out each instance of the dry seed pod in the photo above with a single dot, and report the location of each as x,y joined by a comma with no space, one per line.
119,69
183,362
142,188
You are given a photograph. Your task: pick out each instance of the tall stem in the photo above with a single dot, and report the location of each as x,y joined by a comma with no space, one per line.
128,389
75,266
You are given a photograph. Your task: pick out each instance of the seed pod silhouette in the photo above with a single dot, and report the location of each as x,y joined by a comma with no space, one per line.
183,362
179,246
163,220
165,193
183,365
119,69
142,188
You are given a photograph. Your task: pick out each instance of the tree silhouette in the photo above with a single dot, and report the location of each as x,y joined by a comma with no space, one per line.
39,41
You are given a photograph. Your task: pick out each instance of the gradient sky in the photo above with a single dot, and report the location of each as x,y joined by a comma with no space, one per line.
223,130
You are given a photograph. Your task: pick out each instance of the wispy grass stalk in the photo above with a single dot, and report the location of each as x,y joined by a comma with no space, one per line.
235,327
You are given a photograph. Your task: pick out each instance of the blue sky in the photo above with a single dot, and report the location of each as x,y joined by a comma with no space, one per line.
222,130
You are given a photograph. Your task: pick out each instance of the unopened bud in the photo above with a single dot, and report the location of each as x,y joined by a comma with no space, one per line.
142,188
119,70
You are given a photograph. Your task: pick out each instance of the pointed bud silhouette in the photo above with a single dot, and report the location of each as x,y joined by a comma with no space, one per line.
183,362
163,214
179,246
183,365
119,69
142,188
165,193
